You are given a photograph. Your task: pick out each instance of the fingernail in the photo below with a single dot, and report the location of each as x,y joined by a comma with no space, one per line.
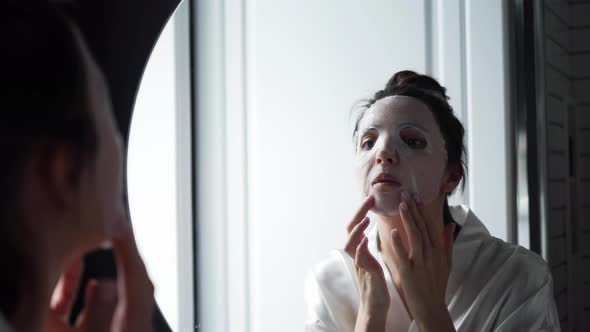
107,291
405,196
403,206
394,233
417,198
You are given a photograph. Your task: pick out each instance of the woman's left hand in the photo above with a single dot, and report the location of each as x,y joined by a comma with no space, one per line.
424,271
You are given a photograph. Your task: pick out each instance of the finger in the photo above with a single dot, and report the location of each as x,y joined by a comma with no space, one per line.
133,277
400,254
449,234
100,301
65,292
55,323
419,220
361,212
414,236
355,237
364,259
89,294
134,288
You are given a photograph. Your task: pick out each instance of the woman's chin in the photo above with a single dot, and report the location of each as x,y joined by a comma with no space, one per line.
386,204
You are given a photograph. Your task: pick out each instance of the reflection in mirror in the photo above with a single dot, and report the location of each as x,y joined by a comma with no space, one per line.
276,82
282,167
423,265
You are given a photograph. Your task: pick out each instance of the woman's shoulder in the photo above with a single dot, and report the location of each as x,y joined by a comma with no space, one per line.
487,256
507,270
493,280
523,262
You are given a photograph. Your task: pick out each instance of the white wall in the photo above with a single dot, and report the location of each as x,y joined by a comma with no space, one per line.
309,62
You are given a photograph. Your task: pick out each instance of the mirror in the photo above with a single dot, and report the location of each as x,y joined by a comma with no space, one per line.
266,184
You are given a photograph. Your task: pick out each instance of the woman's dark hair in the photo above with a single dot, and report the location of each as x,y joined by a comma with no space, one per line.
43,103
430,92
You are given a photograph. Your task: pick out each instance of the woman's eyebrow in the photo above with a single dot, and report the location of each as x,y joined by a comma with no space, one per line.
369,128
413,124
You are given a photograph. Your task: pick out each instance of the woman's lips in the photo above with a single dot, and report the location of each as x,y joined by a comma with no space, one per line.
385,182
385,186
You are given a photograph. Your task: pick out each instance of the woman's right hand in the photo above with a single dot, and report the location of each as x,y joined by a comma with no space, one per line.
374,296
124,305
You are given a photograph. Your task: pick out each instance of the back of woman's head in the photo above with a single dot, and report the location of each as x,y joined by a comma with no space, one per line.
43,103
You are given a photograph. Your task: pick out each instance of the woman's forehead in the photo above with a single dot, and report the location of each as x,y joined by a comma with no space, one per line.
394,111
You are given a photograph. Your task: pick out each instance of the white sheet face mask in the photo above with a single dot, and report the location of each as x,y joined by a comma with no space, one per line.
399,147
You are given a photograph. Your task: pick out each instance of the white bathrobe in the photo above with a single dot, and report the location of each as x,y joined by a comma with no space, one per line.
493,286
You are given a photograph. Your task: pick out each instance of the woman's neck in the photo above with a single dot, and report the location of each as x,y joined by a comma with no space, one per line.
385,224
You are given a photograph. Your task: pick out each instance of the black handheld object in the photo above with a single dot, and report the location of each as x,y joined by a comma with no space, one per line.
100,265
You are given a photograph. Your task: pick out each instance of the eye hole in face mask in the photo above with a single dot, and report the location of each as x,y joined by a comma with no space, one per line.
368,141
413,138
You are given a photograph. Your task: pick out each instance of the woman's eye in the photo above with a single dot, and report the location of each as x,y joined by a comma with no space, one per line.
415,142
368,144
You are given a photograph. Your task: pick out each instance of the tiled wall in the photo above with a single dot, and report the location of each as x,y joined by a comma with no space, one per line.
580,30
567,104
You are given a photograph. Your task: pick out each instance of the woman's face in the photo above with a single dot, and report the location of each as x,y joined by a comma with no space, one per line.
102,203
399,147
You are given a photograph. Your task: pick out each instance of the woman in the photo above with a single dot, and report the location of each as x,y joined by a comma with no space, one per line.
61,182
425,266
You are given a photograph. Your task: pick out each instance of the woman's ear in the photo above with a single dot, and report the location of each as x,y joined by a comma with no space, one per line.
59,174
453,178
